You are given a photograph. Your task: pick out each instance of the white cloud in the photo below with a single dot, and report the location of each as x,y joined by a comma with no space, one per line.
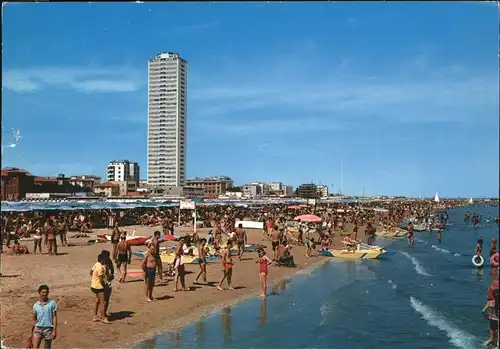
106,86
426,94
88,80
270,126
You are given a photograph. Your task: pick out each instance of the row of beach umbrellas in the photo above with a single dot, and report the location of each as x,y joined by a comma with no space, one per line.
99,205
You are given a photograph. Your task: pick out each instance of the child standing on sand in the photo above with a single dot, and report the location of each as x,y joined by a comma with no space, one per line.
310,244
263,262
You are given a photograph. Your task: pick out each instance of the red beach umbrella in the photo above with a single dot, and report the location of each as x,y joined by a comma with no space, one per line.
310,218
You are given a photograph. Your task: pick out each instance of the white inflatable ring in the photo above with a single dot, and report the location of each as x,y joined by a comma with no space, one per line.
478,264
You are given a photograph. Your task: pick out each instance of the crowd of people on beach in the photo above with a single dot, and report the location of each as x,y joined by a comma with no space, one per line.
48,228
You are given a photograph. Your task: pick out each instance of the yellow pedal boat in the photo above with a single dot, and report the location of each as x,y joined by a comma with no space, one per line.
361,251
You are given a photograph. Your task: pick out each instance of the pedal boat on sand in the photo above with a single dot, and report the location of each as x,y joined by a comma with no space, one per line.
132,240
355,250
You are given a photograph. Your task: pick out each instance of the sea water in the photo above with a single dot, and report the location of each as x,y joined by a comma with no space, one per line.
425,296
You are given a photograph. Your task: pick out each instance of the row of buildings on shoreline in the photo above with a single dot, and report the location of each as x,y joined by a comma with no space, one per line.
122,181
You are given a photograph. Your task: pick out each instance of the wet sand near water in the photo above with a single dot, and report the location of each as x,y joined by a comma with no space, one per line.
133,318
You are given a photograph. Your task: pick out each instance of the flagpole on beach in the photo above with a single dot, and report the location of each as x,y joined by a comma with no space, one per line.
341,181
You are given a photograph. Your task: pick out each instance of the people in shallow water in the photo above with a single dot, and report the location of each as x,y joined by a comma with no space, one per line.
467,218
439,235
479,248
410,237
493,247
491,312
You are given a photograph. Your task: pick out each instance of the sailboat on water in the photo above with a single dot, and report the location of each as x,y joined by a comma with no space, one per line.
436,198
470,202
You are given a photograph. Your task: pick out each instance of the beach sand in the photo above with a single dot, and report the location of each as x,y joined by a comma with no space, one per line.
133,318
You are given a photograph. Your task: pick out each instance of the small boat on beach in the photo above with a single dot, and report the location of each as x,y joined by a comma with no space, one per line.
421,227
355,250
131,239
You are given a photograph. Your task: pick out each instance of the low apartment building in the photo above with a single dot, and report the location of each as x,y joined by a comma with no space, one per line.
213,186
108,189
85,181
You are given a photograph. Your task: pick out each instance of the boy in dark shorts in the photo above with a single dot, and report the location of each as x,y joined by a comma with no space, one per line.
124,257
44,318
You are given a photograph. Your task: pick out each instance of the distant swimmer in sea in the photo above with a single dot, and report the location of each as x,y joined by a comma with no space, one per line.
410,238
439,235
467,218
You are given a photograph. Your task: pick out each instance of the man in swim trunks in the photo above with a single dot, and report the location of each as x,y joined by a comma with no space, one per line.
227,262
202,260
124,257
149,268
50,233
241,239
115,239
180,271
156,243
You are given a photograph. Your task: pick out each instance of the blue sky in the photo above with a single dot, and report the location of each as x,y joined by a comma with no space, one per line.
404,95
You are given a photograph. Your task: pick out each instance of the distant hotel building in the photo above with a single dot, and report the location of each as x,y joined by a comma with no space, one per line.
212,187
123,171
307,191
322,190
86,181
167,117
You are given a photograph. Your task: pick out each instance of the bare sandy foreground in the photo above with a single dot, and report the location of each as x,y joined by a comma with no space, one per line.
133,318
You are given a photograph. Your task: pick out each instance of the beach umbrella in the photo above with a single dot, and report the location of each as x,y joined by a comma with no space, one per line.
168,237
310,218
